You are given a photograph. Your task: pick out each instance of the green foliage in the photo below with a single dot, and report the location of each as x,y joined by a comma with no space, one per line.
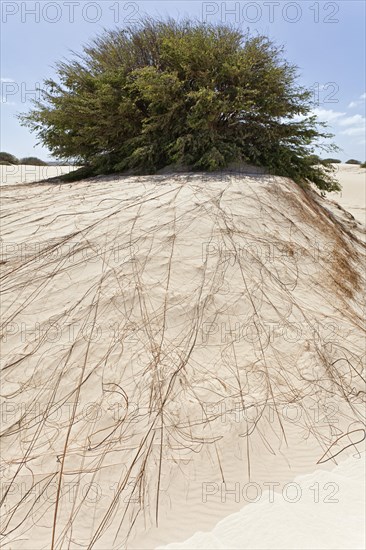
34,161
185,93
332,161
363,165
314,160
7,158
76,175
353,161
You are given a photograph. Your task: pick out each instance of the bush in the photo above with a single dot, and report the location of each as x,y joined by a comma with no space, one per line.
76,175
34,161
332,161
315,160
353,161
7,158
363,165
188,93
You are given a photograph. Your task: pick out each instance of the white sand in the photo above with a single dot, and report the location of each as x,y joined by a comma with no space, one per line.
156,330
22,173
353,194
323,510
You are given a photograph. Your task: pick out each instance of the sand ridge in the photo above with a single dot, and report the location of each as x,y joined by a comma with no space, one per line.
164,333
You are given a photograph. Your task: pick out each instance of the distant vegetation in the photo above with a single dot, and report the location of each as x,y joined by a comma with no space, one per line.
332,161
34,161
363,165
7,159
353,161
185,93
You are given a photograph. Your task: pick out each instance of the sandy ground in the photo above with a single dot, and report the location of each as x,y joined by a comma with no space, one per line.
324,509
353,194
173,346
10,175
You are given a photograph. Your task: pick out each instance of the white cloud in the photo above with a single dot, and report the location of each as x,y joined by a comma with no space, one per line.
354,120
358,102
337,118
357,131
328,115
357,125
353,126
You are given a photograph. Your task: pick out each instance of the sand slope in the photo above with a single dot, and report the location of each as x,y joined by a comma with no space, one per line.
323,510
163,335
22,173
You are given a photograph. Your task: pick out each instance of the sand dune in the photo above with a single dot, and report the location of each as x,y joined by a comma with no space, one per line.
168,341
353,194
23,173
325,509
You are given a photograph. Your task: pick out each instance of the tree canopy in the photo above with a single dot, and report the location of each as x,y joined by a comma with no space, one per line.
189,93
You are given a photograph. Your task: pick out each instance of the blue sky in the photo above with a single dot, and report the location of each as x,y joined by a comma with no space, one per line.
325,39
